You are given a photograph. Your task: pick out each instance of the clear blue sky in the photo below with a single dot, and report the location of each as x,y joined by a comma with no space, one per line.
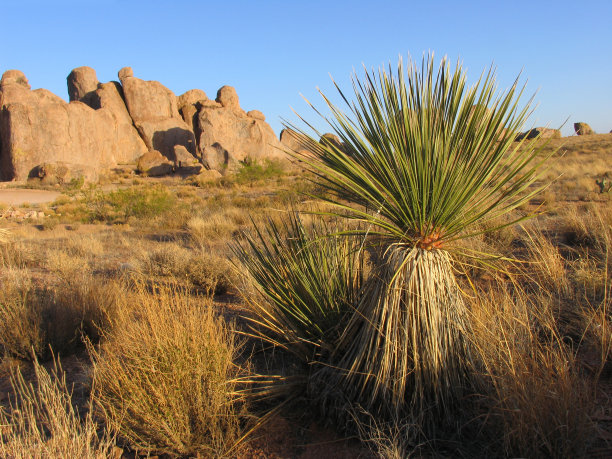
273,51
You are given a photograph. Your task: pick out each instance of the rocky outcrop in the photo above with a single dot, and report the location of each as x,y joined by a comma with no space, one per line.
188,107
37,127
154,111
129,146
154,164
109,124
228,136
583,129
541,132
295,142
82,81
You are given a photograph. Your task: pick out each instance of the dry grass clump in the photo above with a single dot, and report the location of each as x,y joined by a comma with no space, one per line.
17,254
36,320
42,423
205,231
538,402
177,264
166,376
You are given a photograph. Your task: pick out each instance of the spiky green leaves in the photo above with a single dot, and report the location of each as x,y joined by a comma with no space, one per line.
308,283
424,156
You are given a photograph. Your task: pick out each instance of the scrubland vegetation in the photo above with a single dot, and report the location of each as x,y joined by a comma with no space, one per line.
190,317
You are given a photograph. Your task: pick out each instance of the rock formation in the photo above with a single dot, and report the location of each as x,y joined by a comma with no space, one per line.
294,141
542,132
82,81
188,107
37,127
154,111
228,136
135,121
583,129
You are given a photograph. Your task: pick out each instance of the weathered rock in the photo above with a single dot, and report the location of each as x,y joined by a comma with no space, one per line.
153,109
60,173
542,132
294,141
81,82
182,158
154,164
37,127
125,72
256,115
191,97
583,129
187,106
128,146
14,77
228,136
333,139
228,98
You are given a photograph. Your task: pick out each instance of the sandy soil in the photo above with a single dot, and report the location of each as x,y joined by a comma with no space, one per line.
19,196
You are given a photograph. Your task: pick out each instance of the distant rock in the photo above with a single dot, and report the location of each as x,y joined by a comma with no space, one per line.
227,136
37,128
256,115
188,108
154,164
129,146
333,139
182,158
154,111
82,81
294,141
15,77
542,132
228,98
583,129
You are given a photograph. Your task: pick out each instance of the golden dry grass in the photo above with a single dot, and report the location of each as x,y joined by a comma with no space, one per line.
167,376
42,423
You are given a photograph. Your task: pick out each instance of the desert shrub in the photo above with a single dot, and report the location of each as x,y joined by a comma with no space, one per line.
167,376
253,171
42,423
122,204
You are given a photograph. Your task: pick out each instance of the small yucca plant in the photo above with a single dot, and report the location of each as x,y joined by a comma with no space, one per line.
306,283
422,158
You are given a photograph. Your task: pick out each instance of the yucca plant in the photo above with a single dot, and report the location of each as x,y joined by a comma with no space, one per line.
306,283
423,157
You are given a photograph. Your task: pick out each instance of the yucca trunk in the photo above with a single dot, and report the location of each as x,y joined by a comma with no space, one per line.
403,350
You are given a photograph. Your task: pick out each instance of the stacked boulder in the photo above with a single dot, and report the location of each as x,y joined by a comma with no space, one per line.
131,122
583,129
227,135
38,127
540,132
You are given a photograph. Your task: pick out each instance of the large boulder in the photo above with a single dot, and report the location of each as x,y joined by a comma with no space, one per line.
583,129
129,146
227,136
154,111
541,132
154,164
228,98
188,107
37,128
295,142
82,81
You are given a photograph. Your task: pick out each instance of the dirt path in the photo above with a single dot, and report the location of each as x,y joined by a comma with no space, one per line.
19,196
